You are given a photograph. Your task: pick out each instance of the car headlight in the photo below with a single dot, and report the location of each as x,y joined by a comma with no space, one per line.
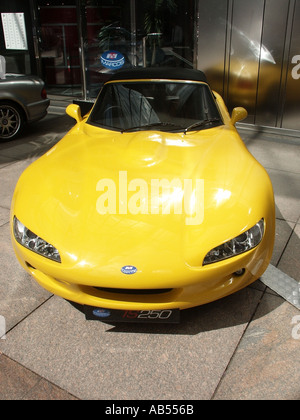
242,243
33,242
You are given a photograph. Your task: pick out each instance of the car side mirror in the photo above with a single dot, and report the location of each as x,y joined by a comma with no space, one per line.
74,112
238,114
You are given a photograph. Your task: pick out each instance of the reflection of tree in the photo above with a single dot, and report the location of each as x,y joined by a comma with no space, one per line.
113,36
155,15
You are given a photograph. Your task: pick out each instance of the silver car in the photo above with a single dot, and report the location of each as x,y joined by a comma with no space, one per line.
23,99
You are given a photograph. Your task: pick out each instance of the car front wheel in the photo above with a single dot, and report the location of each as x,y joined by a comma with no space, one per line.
11,121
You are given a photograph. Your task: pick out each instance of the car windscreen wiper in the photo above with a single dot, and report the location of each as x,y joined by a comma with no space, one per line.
202,123
147,126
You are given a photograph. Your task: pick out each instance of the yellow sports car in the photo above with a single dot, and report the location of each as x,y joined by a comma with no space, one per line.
149,205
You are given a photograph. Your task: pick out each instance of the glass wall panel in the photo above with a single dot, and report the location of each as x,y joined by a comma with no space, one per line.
291,110
211,40
271,62
249,50
250,53
59,46
126,33
107,27
167,28
245,44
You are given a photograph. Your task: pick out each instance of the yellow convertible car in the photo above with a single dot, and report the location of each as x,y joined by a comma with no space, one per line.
149,205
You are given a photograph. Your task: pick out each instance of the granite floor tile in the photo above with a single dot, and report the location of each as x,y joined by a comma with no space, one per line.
5,161
4,215
19,383
287,194
274,154
94,360
290,260
284,230
19,293
15,380
44,390
266,364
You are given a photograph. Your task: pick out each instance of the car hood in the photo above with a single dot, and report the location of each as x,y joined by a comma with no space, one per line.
64,195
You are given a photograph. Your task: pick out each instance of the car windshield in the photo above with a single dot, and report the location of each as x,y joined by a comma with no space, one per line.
157,105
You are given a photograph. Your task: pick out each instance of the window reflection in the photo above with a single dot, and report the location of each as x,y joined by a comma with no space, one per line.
149,33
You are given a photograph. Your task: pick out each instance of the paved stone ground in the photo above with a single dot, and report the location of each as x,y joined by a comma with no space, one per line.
244,346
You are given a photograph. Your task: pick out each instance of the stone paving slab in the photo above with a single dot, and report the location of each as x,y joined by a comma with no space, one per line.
287,194
284,231
266,364
272,152
290,261
19,293
19,383
94,360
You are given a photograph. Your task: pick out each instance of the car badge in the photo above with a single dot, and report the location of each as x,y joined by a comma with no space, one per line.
101,312
129,269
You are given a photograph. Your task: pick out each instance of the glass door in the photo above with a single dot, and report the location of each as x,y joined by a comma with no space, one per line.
82,42
59,46
108,40
127,33
168,32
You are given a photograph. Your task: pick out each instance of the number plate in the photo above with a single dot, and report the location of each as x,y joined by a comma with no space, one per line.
160,316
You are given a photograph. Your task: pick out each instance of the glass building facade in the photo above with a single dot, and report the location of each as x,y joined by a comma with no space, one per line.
249,50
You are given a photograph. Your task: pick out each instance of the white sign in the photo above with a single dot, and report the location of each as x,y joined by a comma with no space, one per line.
14,31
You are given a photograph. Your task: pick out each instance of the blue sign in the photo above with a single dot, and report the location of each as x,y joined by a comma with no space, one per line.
113,60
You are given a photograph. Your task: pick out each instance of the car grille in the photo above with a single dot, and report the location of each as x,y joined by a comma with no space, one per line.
133,291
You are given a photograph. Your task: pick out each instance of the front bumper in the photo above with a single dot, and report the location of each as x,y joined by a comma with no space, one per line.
200,285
